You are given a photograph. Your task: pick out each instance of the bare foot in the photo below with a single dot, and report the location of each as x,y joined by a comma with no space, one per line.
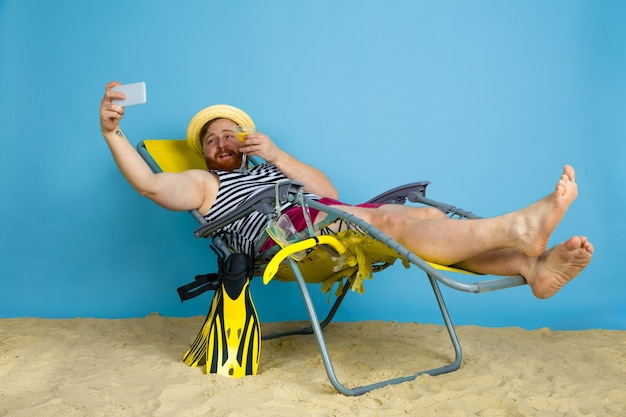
536,222
559,265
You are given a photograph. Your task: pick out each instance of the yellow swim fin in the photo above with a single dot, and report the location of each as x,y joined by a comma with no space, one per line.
229,342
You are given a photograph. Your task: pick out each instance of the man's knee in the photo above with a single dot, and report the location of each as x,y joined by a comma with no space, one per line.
427,213
391,220
433,213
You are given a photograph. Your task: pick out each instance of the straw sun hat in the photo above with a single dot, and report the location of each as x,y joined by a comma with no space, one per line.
217,111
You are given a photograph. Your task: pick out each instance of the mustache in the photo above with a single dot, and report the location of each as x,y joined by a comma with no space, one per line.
226,148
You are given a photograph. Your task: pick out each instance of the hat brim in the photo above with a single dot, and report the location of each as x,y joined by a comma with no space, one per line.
217,111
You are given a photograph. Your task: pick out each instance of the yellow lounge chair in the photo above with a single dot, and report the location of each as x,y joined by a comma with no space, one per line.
342,259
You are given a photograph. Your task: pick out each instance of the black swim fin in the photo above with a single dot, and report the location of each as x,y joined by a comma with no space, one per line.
229,342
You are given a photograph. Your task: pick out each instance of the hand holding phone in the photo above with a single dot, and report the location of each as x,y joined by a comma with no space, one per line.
135,94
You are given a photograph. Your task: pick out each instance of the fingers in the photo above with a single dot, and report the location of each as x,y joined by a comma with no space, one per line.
254,143
111,84
111,114
112,111
110,95
259,144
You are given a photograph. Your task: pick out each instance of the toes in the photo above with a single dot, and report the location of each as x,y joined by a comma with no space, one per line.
576,242
569,172
572,243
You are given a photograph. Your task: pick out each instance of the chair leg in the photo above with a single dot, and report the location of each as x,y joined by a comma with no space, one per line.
317,330
323,323
458,354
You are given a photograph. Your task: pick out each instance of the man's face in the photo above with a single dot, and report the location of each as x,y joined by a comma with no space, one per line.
220,146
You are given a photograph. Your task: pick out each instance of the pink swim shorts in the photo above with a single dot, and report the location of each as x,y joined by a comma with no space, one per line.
297,217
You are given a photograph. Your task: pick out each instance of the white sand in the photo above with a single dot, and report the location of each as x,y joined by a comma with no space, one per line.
94,367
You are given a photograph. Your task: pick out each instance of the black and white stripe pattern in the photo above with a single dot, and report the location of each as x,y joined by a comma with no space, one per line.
234,188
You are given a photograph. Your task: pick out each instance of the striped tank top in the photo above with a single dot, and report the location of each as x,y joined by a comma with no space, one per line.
234,188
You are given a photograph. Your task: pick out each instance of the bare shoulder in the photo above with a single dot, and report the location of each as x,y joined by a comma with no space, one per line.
209,185
199,174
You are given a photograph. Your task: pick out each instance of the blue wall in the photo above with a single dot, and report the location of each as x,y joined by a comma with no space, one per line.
487,100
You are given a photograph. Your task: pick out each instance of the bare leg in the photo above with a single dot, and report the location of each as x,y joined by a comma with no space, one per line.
512,244
503,262
546,274
448,241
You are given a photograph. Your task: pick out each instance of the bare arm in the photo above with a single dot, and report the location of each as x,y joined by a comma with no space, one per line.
314,180
195,189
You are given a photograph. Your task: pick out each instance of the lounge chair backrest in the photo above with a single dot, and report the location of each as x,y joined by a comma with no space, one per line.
173,155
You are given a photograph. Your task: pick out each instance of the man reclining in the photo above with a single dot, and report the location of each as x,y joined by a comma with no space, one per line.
510,244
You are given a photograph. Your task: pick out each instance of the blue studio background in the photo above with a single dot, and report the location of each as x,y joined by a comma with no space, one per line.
485,99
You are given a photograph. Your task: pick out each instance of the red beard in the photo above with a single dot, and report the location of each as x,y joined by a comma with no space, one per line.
225,160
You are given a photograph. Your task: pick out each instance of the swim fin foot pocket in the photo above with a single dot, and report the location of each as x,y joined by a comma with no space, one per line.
229,342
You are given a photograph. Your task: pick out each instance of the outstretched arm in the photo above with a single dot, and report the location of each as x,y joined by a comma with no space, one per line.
314,180
175,191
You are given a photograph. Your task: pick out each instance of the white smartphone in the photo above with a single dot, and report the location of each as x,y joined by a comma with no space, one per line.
135,94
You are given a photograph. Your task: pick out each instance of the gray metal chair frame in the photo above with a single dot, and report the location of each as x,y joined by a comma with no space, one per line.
264,202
